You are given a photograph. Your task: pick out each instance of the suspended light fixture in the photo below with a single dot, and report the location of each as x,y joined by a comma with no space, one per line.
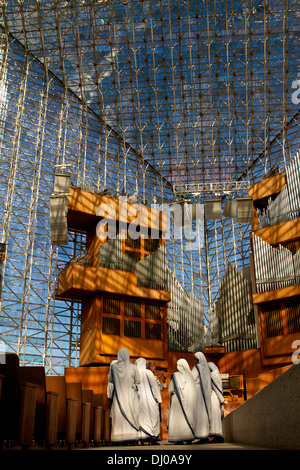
59,210
58,220
244,209
213,209
62,183
230,209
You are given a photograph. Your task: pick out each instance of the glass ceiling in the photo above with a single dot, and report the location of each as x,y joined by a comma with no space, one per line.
199,89
135,97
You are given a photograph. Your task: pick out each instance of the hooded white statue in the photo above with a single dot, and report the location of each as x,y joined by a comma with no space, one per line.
149,399
182,412
125,401
110,385
218,402
202,376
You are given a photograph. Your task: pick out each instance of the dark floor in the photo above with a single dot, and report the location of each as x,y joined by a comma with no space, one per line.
160,447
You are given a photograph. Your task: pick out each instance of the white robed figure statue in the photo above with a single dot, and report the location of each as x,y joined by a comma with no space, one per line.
202,376
182,412
125,401
218,402
110,385
149,399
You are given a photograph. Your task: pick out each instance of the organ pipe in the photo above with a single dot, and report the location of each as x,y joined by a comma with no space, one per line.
185,318
235,312
286,205
275,268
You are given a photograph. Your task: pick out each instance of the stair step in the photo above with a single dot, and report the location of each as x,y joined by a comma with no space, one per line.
273,374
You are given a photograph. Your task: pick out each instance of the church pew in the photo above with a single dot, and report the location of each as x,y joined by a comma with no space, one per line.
107,421
85,423
80,408
71,421
36,375
46,416
10,398
106,402
17,405
107,426
57,384
74,390
88,397
71,391
98,420
27,414
98,399
51,419
99,402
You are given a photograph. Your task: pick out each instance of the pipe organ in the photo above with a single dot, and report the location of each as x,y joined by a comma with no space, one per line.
293,185
186,327
234,310
151,269
120,281
286,205
275,243
274,267
129,296
184,312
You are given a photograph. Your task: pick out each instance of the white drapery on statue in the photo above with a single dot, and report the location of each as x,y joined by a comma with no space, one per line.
125,401
202,376
149,399
182,412
217,400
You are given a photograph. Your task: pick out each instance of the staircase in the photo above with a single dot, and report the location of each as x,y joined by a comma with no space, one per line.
270,418
254,384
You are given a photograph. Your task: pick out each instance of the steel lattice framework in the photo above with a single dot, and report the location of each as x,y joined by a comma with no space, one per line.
134,97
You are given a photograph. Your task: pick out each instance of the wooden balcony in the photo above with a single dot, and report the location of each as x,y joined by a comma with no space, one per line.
77,282
267,187
280,233
277,295
83,211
